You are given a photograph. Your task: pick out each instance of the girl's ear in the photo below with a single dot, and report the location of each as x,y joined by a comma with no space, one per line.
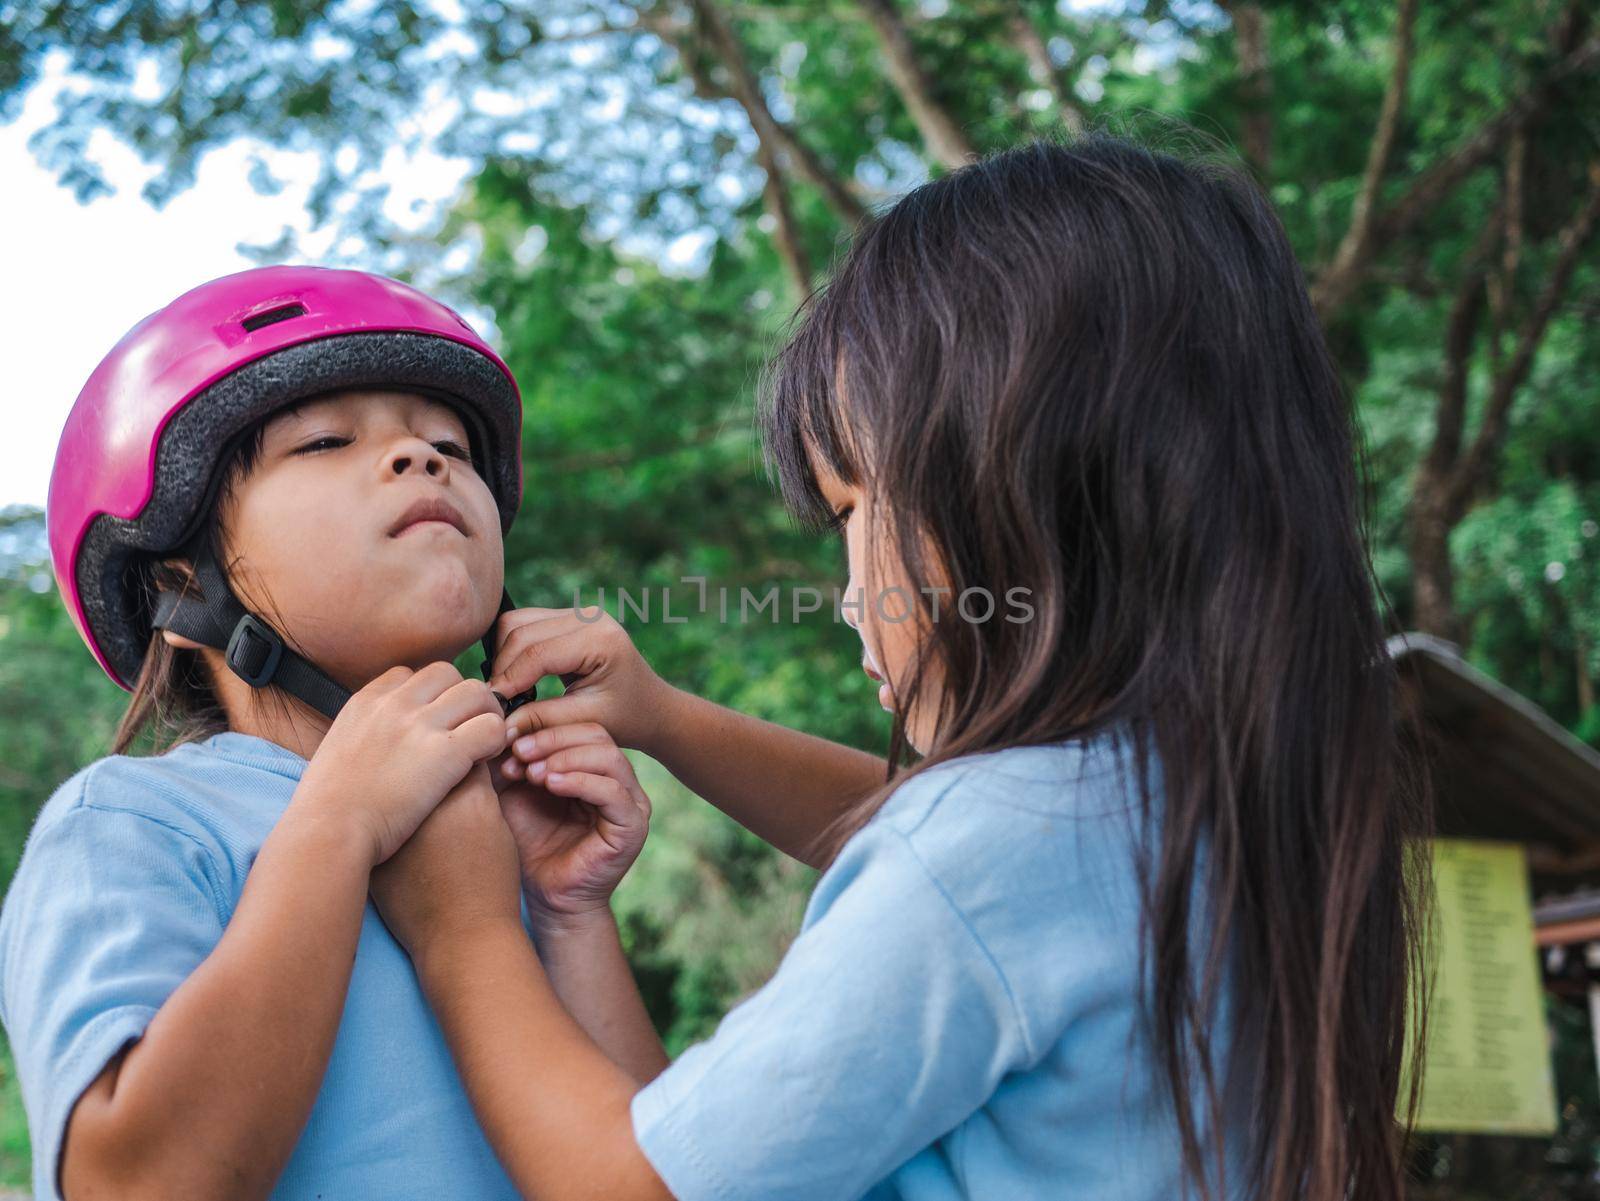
176,574
188,644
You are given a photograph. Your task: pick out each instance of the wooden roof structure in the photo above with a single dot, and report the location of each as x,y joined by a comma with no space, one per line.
1502,767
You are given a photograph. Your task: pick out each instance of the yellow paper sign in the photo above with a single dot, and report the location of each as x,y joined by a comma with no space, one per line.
1487,1064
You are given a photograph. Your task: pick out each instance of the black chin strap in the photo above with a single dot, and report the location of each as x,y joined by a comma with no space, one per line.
256,653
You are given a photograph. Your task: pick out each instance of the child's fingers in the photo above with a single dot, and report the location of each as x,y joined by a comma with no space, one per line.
519,628
428,684
556,713
513,619
560,654
595,759
608,796
463,700
389,680
602,759
546,741
551,623
520,638
482,737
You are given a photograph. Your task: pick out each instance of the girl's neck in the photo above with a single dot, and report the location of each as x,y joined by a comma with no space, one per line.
294,731
276,717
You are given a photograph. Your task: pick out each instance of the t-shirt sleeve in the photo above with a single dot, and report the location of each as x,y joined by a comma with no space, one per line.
885,1026
109,912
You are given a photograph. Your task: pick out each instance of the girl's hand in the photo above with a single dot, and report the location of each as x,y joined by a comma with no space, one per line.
578,820
457,875
608,680
398,746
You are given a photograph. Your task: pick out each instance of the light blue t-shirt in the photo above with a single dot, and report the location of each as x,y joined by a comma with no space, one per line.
958,1015
128,878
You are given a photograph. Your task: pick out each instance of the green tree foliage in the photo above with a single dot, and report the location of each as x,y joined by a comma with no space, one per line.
1437,167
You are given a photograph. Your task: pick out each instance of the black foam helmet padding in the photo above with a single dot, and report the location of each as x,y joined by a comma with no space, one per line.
201,436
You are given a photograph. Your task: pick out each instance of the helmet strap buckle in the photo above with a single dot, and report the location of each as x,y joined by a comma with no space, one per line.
254,650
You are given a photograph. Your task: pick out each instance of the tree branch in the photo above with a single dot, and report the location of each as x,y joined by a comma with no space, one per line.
718,36
1255,78
774,189
1429,188
1461,329
786,234
1479,459
1333,288
944,138
1353,247
1428,514
604,29
1026,37
1502,283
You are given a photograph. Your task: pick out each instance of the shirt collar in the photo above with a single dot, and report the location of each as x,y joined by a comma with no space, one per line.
257,752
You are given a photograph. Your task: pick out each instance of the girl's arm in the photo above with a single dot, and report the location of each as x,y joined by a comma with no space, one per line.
578,819
554,1104
591,977
211,1100
563,1130
783,786
887,1024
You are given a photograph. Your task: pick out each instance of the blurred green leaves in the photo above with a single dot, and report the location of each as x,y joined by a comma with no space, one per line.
595,147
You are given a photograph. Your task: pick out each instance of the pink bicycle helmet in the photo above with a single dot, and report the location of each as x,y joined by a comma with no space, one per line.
140,459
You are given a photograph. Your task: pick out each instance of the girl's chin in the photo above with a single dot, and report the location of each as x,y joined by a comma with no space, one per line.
886,700
442,594
445,638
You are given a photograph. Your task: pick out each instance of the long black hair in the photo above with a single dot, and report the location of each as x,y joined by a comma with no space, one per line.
1091,369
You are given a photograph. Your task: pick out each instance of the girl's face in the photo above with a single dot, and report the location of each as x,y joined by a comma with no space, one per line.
879,604
315,532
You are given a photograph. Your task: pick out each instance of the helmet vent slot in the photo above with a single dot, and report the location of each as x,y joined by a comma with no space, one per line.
284,312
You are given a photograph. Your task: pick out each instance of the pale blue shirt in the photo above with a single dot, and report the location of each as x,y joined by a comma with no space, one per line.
128,878
958,1017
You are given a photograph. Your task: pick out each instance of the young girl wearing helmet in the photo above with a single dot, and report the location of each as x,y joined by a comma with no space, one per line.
301,478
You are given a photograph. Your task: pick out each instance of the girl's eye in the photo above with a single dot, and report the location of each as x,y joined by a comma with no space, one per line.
448,446
839,520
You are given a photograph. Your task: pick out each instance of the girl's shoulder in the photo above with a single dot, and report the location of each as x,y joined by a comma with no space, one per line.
1019,837
118,834
1079,779
137,805
1035,849
119,869
151,786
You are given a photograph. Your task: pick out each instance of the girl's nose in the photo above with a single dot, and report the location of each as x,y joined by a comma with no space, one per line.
411,452
852,604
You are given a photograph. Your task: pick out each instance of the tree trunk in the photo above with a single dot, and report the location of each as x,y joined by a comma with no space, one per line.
1255,78
1026,37
1432,577
945,139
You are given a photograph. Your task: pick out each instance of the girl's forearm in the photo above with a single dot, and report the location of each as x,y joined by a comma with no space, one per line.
554,1106
781,785
211,1100
584,962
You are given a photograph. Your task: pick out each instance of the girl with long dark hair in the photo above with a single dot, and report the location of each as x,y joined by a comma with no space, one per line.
1139,921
